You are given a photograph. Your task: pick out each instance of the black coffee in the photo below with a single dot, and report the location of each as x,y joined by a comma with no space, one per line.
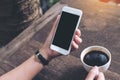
96,58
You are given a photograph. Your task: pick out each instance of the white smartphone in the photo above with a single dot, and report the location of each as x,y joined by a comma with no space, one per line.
68,23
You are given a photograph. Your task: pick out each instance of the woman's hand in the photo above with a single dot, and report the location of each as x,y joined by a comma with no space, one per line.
94,74
50,54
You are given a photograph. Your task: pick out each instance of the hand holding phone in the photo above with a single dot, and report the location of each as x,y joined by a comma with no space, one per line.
68,23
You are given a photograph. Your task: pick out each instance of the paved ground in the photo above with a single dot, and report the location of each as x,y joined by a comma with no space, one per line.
99,26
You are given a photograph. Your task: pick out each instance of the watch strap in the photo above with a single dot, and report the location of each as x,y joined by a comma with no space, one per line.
41,58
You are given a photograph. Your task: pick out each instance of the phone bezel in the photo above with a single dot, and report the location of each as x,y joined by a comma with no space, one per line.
71,11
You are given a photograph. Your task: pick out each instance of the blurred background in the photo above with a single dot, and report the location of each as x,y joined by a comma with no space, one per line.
17,15
46,4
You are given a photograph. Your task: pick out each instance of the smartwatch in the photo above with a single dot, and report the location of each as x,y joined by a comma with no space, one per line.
41,58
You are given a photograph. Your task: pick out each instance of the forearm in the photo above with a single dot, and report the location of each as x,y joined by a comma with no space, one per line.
32,66
26,71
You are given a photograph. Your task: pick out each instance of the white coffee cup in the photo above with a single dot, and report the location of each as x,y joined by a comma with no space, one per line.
102,68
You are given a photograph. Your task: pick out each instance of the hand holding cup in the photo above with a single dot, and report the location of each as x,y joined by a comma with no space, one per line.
96,56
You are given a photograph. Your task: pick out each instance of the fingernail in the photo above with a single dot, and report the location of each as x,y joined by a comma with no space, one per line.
76,36
81,40
96,69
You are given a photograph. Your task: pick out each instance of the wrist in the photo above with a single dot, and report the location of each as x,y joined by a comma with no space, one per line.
48,53
45,53
41,57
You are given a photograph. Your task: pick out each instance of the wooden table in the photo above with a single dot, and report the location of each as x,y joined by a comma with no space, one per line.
100,25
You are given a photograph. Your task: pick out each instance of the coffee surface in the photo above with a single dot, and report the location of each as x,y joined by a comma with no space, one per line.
96,58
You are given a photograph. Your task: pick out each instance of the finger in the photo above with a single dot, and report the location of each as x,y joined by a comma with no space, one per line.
77,39
74,45
101,76
92,74
78,32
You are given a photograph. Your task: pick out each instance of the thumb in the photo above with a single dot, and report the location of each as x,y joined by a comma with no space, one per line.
92,74
53,30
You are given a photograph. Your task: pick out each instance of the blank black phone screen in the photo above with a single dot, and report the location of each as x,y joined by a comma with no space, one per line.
65,30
